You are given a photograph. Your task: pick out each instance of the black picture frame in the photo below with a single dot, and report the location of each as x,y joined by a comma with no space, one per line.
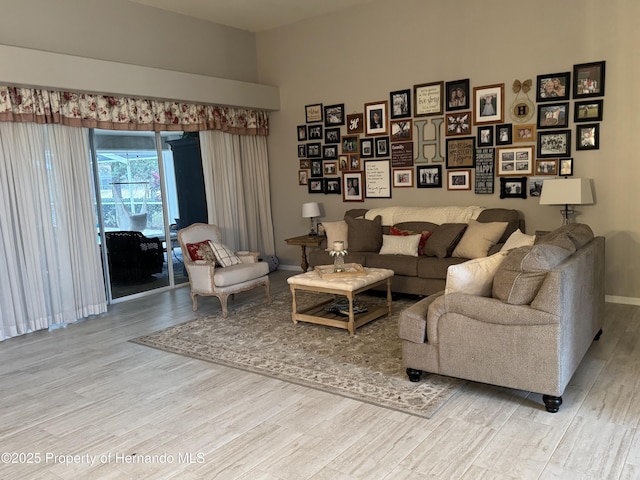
553,115
316,169
565,167
429,176
314,132
332,135
330,152
553,87
588,111
513,187
459,88
504,134
485,136
382,147
315,185
554,143
334,115
302,150
313,113
588,136
314,150
588,79
302,133
367,147
333,185
400,104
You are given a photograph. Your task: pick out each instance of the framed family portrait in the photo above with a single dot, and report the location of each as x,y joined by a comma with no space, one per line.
305,163
377,178
428,99
565,167
303,177
315,185
376,116
515,161
400,102
485,136
316,168
460,152
352,189
488,104
504,134
343,162
314,150
350,144
429,176
334,115
302,151
457,95
332,135
546,166
553,115
402,177
553,87
554,143
588,136
382,147
313,113
329,168
458,123
524,133
587,111
367,149
314,132
330,152
458,179
401,130
588,80
513,187
302,133
332,185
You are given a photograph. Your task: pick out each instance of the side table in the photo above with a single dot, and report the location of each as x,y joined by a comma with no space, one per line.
305,241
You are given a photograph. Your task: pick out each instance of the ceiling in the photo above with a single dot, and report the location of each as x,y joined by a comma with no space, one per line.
253,15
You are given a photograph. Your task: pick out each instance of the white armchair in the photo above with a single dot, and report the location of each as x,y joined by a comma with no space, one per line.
207,279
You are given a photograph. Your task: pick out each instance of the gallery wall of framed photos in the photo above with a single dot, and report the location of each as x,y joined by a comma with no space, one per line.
371,152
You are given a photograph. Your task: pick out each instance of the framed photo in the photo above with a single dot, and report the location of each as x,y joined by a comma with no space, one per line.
554,115
429,176
488,104
305,164
376,116
313,150
588,111
400,102
330,152
343,162
401,130
553,87
535,186
332,135
382,147
332,185
460,152
355,123
350,144
352,187
402,177
524,133
428,99
515,161
315,132
316,185
588,136
458,123
367,148
302,133
546,166
565,167
513,187
303,177
354,162
334,115
504,134
457,95
329,168
458,179
377,178
588,80
485,136
302,151
554,143
316,168
313,113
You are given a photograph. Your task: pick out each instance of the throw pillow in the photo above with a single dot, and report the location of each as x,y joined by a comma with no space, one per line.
444,239
478,238
336,232
518,239
424,235
364,235
400,245
224,256
201,251
474,277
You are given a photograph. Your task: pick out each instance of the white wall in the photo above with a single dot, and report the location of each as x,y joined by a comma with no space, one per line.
362,54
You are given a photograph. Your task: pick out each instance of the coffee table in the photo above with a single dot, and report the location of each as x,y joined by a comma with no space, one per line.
348,286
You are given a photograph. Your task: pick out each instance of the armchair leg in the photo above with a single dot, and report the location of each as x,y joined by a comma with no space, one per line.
194,300
223,302
267,292
414,375
551,403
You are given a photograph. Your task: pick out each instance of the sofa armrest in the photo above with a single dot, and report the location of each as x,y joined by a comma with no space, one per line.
413,320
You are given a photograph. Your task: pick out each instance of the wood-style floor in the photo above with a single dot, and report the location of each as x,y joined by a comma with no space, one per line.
146,414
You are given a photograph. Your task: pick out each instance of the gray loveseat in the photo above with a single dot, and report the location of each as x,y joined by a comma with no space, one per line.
545,308
426,273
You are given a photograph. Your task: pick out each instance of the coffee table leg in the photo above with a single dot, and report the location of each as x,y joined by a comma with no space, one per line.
389,295
294,307
351,325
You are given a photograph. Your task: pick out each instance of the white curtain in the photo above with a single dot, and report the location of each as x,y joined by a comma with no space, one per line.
236,177
53,273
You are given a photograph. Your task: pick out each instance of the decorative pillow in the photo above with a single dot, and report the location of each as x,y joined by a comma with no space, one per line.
224,256
364,235
336,232
478,238
518,239
474,277
444,239
400,245
201,251
424,235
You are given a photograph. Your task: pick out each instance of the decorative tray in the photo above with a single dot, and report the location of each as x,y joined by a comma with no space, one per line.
327,271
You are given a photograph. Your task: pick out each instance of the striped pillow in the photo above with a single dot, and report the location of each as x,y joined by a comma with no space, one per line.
224,256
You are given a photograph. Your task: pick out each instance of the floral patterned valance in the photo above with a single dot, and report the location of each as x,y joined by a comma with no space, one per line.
124,113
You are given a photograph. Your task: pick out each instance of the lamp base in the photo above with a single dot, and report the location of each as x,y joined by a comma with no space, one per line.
566,213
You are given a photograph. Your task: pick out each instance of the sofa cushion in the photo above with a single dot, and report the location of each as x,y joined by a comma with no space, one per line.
364,235
400,264
400,245
512,217
474,277
424,236
436,268
518,239
336,232
478,238
520,276
444,239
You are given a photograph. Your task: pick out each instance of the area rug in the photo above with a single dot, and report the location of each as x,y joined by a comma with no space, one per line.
261,338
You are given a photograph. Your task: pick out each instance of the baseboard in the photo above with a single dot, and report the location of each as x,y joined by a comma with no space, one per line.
622,300
293,268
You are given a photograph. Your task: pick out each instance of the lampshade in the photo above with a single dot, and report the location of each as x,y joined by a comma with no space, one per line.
566,191
310,210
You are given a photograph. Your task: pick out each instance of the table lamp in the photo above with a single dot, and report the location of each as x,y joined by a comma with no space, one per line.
566,191
311,210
